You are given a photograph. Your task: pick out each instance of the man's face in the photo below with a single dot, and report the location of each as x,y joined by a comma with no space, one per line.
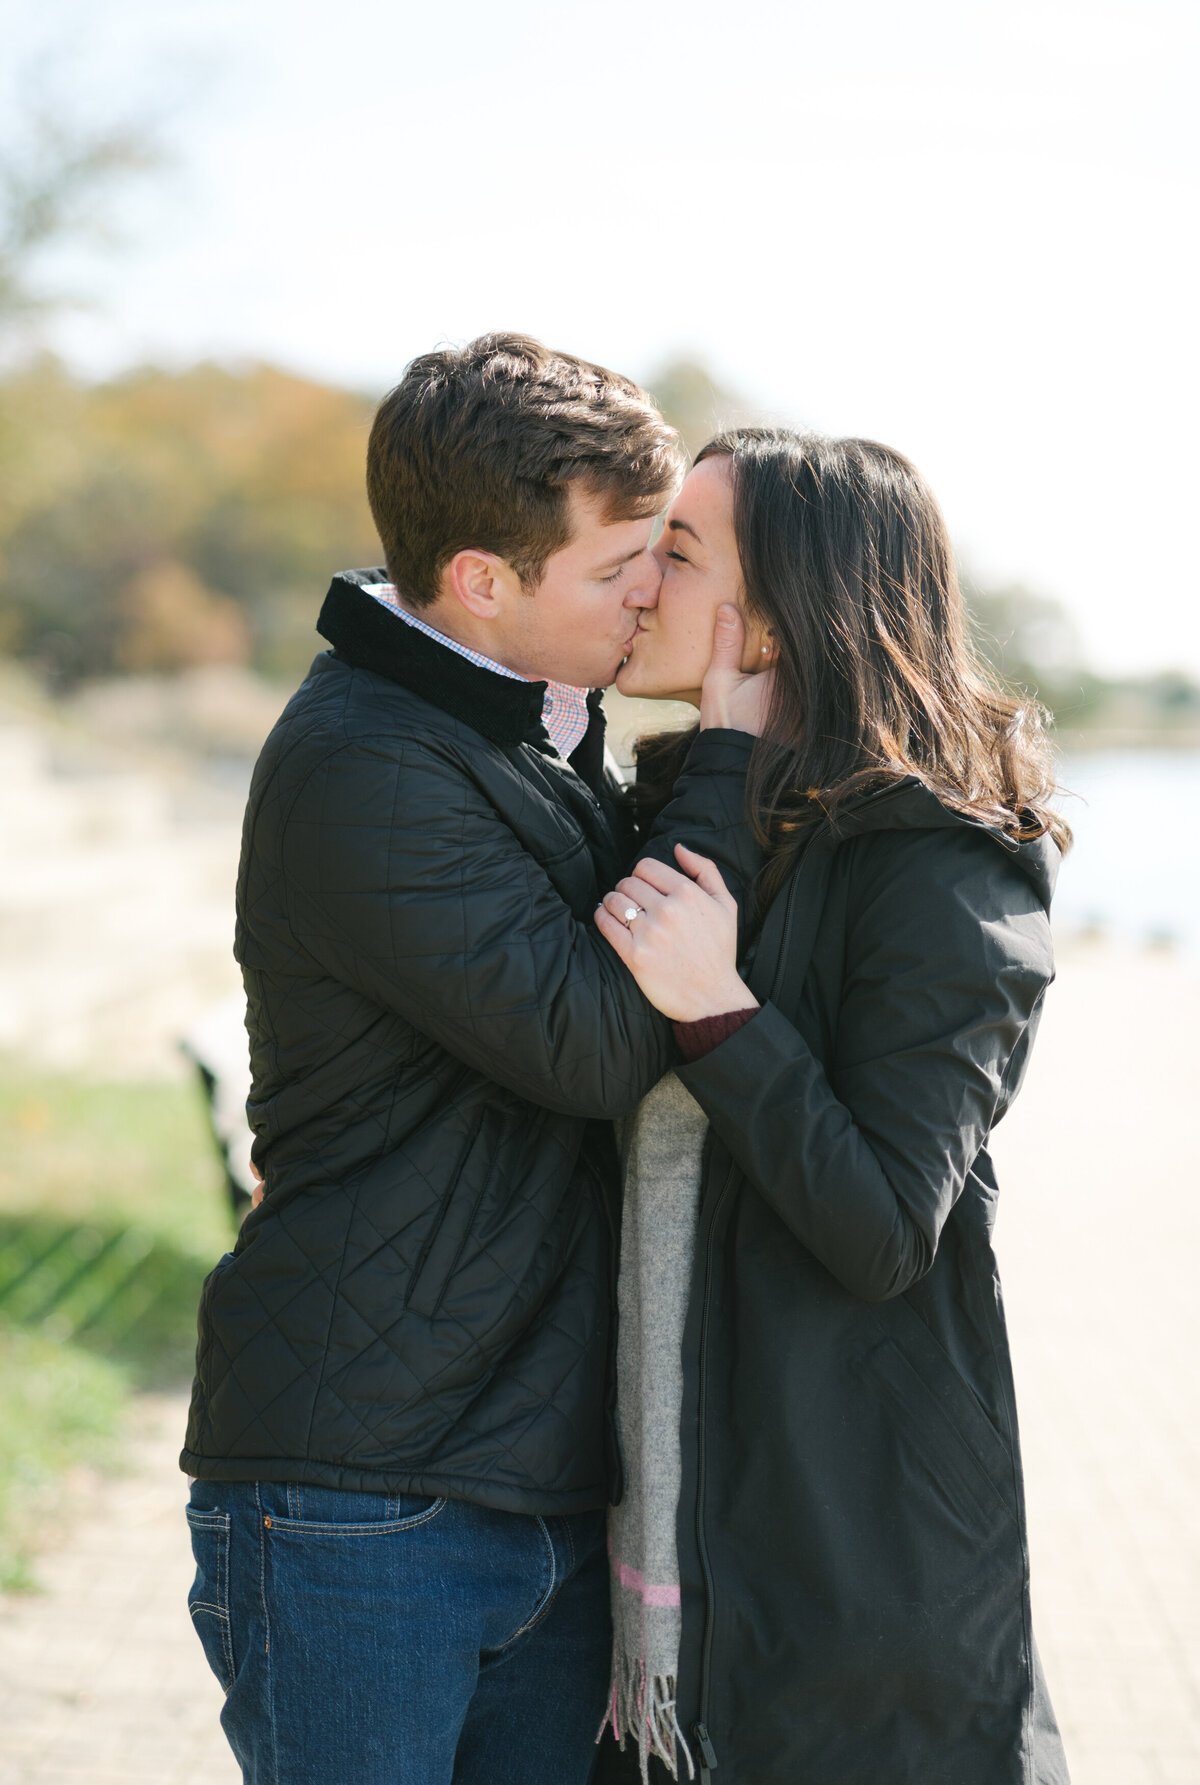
577,624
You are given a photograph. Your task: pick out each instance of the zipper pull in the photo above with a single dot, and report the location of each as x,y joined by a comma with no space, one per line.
708,1754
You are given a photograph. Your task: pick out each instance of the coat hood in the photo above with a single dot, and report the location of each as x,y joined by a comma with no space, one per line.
911,805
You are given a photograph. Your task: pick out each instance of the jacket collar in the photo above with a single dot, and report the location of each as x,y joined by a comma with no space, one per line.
365,635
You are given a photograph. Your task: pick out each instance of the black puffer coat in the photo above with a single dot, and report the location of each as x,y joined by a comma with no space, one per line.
438,1034
852,1528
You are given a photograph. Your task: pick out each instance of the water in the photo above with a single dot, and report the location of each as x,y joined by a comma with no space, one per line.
1135,866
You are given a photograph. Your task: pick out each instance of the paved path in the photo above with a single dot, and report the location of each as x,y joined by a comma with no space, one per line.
101,1679
102,1682
1098,1236
116,908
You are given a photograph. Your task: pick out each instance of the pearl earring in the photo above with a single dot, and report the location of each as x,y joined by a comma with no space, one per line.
764,650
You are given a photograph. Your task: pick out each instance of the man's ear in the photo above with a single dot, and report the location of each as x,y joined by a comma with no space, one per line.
478,581
469,579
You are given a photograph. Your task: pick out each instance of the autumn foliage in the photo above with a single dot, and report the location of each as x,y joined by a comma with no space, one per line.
166,520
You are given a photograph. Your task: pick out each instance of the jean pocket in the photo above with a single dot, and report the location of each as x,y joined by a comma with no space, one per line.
208,1600
338,1512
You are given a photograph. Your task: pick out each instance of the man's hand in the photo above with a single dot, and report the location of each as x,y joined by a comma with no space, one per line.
680,944
731,699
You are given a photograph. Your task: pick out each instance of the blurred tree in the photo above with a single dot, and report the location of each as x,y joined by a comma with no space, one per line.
1033,644
1025,635
163,520
695,404
170,621
62,167
1175,695
57,177
239,491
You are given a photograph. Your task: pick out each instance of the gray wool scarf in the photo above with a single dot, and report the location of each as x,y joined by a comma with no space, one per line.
662,1145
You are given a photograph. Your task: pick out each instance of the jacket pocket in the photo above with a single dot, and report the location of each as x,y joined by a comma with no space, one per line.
451,1225
208,1600
941,1421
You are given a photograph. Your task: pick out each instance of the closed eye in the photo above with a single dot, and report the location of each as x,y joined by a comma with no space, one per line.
679,557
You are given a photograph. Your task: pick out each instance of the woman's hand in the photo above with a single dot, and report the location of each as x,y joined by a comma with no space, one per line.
681,943
729,698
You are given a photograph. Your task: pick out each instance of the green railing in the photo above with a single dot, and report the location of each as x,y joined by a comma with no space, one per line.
119,1290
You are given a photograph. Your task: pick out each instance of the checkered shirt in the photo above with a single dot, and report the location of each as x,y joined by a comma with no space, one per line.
564,708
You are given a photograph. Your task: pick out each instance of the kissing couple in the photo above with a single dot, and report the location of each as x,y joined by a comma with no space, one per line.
616,1348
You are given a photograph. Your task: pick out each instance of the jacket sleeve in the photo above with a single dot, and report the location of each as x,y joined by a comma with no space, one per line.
947,958
707,812
404,881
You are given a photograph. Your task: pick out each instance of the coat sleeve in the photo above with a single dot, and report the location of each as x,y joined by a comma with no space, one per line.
404,881
947,958
707,811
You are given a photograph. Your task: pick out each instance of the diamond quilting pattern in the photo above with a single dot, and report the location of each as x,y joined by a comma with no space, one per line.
427,1288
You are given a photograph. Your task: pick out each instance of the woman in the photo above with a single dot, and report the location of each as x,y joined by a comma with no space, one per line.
836,1591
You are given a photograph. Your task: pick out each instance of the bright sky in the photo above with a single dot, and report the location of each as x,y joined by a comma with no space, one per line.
965,228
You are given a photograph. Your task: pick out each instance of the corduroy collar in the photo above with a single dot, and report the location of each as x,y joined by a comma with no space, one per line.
364,634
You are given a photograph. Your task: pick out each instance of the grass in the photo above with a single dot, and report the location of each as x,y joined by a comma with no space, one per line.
60,1408
112,1210
139,1154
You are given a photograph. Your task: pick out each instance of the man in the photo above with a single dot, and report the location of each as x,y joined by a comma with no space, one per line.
402,1419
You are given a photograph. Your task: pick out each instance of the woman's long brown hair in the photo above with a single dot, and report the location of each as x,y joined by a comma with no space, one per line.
846,562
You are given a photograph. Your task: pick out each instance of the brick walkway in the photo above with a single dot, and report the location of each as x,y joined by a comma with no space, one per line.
102,1682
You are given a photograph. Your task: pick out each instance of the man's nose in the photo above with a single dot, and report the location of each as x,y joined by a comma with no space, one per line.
645,583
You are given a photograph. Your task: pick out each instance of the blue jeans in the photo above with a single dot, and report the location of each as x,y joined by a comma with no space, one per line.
365,1639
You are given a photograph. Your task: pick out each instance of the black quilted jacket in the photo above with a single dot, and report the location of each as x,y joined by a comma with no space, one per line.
423,1301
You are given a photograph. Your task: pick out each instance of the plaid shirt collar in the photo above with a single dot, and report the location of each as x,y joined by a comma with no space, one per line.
564,708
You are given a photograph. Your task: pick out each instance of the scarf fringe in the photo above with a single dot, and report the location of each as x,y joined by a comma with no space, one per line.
644,1709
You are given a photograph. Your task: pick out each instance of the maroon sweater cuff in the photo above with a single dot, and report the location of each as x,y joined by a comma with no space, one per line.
701,1037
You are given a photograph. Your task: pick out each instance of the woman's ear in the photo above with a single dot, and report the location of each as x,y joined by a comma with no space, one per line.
761,650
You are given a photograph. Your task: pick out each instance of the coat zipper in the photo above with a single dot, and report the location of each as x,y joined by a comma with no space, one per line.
708,1754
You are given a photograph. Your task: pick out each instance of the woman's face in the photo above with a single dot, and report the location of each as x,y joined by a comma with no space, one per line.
697,555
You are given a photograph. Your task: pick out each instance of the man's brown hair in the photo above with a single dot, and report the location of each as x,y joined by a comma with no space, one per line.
477,446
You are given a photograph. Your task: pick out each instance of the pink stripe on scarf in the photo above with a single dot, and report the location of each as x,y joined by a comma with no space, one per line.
635,1581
